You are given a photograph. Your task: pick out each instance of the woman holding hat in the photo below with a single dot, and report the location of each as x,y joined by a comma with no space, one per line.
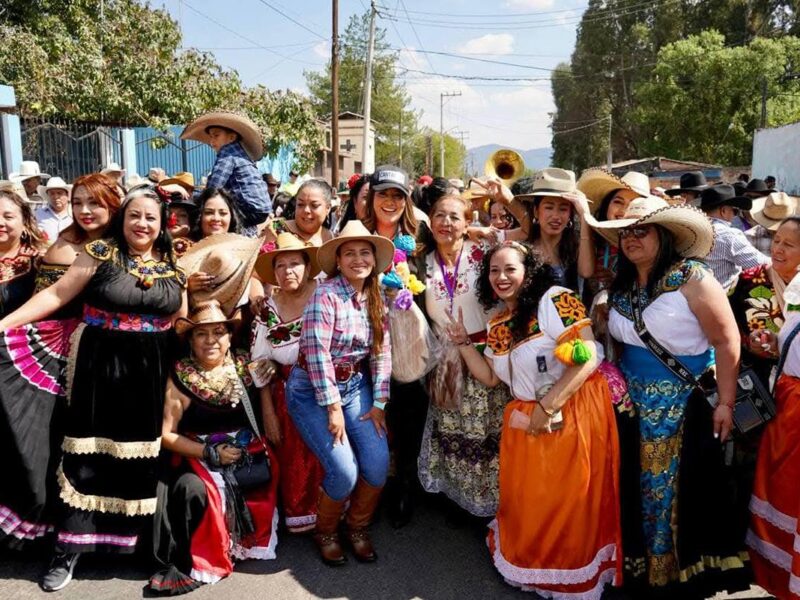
291,269
339,388
116,374
33,360
217,500
686,544
557,529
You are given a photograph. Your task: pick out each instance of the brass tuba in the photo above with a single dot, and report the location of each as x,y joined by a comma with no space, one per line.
506,165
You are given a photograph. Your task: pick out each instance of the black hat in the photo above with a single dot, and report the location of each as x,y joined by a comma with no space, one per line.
758,187
740,187
178,200
723,194
388,176
693,181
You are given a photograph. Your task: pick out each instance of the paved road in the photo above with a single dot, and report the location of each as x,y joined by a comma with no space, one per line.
428,560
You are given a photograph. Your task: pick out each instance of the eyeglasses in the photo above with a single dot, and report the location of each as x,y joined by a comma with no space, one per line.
636,232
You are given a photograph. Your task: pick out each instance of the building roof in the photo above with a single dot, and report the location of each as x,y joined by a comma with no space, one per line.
661,163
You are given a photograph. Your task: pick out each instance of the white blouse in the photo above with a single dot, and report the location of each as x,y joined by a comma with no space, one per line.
272,338
560,316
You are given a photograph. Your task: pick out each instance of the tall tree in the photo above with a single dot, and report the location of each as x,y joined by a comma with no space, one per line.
390,102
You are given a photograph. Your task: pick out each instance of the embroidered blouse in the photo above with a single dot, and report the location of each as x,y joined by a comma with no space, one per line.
273,338
17,278
336,328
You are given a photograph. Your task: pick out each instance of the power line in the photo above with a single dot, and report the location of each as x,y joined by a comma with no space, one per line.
416,35
295,21
495,15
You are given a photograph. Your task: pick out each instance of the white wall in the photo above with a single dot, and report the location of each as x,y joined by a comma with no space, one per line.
776,151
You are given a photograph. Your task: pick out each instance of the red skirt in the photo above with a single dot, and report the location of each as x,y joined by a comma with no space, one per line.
557,531
301,472
774,536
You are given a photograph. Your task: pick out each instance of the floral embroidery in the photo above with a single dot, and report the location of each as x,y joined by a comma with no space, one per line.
223,386
501,339
282,334
20,264
101,249
679,274
47,275
146,271
569,308
124,321
181,245
754,299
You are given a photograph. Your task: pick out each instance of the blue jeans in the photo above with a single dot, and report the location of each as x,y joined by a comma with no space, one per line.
363,452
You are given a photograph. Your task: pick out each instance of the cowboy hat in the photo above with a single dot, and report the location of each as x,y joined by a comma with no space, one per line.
113,167
27,170
156,174
693,181
247,130
352,232
205,313
15,187
691,228
551,182
286,242
723,194
769,211
757,187
596,184
230,257
54,183
183,179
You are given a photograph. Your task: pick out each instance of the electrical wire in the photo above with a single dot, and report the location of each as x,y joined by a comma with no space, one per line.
295,21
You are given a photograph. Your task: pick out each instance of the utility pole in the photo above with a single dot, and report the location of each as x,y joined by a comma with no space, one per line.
610,155
428,154
365,166
442,96
400,140
335,97
464,136
764,91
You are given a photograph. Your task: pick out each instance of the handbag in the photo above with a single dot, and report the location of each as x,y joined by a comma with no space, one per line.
253,470
753,405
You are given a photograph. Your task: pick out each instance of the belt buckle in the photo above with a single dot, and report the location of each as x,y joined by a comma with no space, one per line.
343,372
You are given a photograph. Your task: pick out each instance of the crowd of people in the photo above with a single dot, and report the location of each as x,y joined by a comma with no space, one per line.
602,372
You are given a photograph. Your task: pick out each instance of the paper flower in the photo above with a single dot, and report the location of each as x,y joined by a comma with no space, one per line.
404,300
400,256
353,180
415,285
406,243
403,272
392,280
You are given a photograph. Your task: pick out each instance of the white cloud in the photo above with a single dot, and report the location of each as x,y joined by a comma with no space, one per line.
491,43
323,50
528,4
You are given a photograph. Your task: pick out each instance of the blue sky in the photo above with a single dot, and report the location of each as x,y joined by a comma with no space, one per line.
266,47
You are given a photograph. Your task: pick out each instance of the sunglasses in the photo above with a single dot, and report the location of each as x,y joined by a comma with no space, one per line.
636,232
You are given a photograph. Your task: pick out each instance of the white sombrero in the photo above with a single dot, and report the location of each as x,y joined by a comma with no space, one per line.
248,131
691,228
599,183
769,211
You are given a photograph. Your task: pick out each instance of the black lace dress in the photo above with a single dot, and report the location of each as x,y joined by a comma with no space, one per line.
116,375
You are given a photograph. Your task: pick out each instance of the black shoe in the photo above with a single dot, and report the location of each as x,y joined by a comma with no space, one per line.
60,573
400,505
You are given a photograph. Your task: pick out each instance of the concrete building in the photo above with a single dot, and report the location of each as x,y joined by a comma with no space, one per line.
351,143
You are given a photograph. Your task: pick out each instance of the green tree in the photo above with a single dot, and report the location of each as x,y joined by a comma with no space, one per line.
389,99
455,154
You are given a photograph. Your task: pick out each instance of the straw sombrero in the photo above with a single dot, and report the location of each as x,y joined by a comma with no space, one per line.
691,228
286,242
596,184
355,231
769,211
205,313
249,132
230,257
184,179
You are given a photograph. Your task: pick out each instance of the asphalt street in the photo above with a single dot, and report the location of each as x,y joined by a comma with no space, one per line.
429,559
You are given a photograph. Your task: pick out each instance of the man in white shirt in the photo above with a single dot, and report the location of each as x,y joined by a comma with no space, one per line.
732,252
56,215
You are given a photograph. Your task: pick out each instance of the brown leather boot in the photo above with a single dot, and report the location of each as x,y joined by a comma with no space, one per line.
363,502
326,535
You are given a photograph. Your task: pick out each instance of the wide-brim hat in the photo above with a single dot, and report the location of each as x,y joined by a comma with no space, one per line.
184,179
54,183
15,187
723,194
691,228
769,211
693,181
230,257
248,131
551,182
113,168
757,187
352,232
27,170
597,183
286,242
204,313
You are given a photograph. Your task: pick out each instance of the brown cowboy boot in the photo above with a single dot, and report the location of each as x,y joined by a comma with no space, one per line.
326,535
363,502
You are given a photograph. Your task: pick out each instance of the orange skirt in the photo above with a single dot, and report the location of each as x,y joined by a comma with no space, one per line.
774,538
557,531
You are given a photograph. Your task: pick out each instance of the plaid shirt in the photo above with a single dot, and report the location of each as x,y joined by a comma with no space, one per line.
731,254
761,238
235,171
336,328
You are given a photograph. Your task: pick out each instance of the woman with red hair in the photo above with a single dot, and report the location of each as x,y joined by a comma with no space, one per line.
32,366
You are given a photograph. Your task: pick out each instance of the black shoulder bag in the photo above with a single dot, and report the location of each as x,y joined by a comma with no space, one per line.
753,406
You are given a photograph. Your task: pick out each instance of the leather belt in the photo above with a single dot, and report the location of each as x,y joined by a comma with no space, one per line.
343,371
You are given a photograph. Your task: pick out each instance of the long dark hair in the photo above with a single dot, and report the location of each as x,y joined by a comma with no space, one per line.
163,242
350,209
207,194
602,213
567,245
539,277
626,271
431,194
376,309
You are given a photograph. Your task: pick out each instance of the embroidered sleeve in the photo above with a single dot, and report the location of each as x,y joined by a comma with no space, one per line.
241,358
681,273
102,250
180,276
561,313
499,338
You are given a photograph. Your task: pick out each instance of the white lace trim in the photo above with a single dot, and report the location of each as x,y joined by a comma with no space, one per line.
298,523
101,445
772,515
595,593
267,552
204,576
524,576
779,558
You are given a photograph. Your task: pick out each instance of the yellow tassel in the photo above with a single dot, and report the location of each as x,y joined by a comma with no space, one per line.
563,353
573,352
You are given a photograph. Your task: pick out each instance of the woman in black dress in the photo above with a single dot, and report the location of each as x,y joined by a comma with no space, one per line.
116,374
